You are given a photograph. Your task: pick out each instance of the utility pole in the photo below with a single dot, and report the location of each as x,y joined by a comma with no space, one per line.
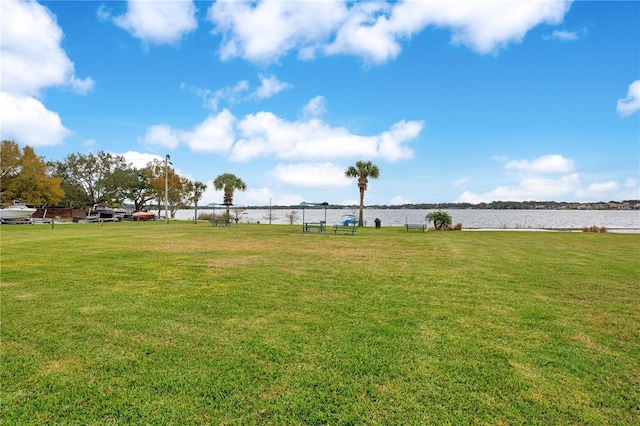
166,188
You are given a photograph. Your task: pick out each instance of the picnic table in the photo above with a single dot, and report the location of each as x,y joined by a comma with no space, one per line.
320,226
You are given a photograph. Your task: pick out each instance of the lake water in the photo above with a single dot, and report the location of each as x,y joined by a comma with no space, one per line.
624,220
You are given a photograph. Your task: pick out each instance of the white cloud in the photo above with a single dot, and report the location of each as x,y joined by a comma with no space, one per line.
597,190
140,160
215,134
156,22
315,108
630,104
537,182
231,95
32,57
391,144
103,14
313,175
81,86
368,33
461,181
545,164
499,158
264,31
399,200
563,35
610,190
534,188
270,86
27,121
160,136
262,197
265,134
350,202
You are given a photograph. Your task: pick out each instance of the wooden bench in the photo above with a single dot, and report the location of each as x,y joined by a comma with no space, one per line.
345,228
320,226
422,226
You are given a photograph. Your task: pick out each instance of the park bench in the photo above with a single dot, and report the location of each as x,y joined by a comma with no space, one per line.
320,226
221,222
345,228
408,226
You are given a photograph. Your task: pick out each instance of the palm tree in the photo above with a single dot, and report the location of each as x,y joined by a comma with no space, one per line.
362,170
195,191
228,183
441,220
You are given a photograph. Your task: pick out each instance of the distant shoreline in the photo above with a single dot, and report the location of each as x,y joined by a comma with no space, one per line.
496,205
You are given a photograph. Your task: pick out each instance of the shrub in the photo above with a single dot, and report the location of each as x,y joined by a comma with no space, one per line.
457,227
205,216
593,228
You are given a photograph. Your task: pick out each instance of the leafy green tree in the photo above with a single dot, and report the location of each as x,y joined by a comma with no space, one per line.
228,183
135,185
156,171
88,179
440,219
194,191
363,170
27,177
177,192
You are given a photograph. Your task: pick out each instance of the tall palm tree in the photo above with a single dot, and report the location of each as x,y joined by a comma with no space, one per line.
229,183
195,191
363,170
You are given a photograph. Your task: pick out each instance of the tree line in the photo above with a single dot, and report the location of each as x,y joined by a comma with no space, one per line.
84,180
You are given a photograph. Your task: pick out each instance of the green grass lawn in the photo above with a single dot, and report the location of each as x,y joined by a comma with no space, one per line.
255,324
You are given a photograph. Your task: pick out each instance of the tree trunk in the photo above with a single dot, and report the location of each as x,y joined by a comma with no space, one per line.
360,219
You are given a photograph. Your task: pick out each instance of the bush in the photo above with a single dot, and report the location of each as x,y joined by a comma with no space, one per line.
594,228
457,227
205,216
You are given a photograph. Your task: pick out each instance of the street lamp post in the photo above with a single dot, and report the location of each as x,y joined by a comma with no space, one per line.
166,188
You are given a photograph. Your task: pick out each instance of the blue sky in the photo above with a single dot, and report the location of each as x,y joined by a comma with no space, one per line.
464,101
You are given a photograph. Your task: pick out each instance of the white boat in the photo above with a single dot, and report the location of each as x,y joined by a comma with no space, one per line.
348,219
17,212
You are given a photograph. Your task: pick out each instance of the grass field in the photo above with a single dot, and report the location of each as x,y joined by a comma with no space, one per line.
256,324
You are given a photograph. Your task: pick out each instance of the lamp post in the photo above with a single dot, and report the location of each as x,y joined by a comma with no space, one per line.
166,188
